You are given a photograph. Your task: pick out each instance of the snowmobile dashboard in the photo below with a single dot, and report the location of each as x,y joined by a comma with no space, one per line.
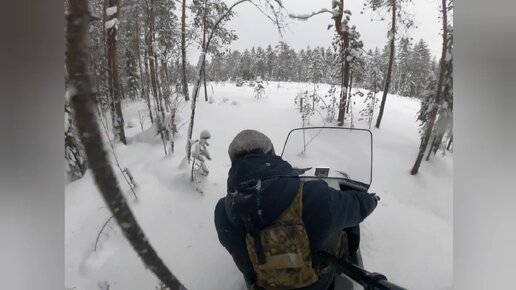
336,179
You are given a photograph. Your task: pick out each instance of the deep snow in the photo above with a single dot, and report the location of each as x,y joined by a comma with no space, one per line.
408,237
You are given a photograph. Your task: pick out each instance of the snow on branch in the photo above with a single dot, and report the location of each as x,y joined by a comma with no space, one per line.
111,10
110,23
305,17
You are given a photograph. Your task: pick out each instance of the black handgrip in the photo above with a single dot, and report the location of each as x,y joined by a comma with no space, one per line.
370,281
384,284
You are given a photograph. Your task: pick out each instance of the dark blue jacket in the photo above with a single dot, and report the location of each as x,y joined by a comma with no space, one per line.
325,210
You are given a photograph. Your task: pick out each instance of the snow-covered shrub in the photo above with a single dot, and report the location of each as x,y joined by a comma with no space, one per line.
259,89
239,81
200,155
302,101
330,103
366,114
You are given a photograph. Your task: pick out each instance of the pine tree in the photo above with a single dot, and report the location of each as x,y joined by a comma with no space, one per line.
260,63
270,60
341,18
396,9
434,105
184,83
133,76
444,122
246,66
421,67
111,24
404,68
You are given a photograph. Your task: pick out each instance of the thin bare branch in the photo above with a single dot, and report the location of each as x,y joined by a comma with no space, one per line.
100,232
304,17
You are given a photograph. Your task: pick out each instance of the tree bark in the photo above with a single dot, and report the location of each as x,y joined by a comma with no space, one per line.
153,63
165,83
345,80
147,74
432,145
389,68
160,114
143,90
183,51
450,141
349,92
433,114
204,49
114,80
77,22
436,144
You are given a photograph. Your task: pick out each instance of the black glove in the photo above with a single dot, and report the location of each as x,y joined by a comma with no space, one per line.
376,197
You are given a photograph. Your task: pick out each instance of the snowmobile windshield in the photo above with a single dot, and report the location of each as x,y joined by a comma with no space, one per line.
331,152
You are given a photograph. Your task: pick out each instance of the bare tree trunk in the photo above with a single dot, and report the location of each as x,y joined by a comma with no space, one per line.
114,81
345,80
77,22
204,81
349,92
183,51
436,144
159,82
450,141
433,114
313,98
389,68
432,144
204,49
165,84
153,63
400,69
143,90
147,74
74,153
160,114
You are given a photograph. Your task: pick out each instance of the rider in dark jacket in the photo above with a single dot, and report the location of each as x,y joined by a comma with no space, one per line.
325,210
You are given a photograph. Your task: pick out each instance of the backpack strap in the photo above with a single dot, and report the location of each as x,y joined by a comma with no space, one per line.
258,247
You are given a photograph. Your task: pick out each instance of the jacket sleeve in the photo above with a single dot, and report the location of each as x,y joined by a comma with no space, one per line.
233,239
346,208
349,208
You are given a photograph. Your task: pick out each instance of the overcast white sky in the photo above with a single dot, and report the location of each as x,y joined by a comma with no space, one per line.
254,29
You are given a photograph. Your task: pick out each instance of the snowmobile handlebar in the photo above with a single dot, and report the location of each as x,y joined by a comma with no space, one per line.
370,281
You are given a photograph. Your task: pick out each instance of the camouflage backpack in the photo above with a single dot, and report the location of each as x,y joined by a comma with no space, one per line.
280,252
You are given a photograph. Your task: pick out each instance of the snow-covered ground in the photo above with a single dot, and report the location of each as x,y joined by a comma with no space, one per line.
408,237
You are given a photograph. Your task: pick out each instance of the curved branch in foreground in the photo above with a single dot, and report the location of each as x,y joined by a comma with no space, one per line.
77,22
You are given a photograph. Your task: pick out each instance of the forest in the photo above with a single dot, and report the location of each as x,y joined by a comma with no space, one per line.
126,54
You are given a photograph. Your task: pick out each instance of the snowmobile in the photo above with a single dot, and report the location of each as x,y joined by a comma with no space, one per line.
345,158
